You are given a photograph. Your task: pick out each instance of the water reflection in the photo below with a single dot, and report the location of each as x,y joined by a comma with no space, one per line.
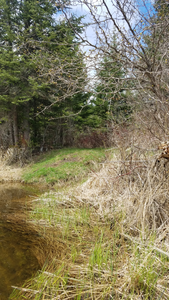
17,261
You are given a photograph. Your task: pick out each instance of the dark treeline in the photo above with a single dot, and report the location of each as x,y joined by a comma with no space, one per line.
44,96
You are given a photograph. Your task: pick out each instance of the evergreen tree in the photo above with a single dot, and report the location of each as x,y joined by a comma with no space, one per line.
39,59
110,101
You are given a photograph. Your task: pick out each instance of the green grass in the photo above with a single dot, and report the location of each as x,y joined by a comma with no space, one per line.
99,263
64,165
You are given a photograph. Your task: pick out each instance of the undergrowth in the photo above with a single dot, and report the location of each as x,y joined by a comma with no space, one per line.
115,228
101,261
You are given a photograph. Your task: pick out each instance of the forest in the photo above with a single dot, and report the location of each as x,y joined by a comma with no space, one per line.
84,111
75,72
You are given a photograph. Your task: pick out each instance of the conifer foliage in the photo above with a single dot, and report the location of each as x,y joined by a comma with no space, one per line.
40,60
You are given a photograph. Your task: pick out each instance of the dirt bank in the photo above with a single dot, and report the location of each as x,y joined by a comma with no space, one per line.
10,174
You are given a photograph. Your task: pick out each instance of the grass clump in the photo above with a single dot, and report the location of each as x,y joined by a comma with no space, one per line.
64,165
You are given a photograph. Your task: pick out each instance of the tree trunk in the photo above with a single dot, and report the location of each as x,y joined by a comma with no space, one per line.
26,127
15,125
35,125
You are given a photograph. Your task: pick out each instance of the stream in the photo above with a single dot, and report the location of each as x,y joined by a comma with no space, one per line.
17,260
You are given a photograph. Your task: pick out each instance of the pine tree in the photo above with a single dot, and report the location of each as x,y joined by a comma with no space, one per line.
39,59
110,96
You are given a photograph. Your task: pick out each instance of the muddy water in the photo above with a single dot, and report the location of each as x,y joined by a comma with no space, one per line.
17,260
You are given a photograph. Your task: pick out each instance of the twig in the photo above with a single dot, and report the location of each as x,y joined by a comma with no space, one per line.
25,290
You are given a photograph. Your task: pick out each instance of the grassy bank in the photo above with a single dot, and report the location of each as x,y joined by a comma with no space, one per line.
113,228
64,165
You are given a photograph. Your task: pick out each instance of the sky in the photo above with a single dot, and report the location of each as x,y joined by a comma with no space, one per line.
144,10
137,14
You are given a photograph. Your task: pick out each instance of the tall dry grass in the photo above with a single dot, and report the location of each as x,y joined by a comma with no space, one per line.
134,183
116,228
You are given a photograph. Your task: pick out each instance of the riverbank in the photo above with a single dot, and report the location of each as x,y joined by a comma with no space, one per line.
10,174
112,228
55,167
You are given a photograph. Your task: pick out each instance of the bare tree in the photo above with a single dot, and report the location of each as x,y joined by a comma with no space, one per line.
142,31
